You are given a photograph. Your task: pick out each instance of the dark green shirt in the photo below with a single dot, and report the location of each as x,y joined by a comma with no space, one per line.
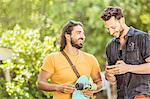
136,50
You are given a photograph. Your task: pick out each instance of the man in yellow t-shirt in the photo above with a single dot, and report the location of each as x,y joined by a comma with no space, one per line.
56,67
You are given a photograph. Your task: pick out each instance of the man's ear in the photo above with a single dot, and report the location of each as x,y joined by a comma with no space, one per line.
122,20
67,36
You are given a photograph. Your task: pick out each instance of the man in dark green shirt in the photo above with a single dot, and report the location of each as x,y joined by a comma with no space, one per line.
128,56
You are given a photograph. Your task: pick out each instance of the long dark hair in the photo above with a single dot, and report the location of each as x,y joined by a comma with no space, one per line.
67,29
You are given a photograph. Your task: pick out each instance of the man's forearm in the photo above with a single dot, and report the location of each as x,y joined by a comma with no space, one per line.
99,86
140,69
45,86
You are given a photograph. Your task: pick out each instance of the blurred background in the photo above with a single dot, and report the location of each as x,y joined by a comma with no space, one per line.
30,29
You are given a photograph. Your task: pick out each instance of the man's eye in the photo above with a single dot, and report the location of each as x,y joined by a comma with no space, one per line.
113,27
79,32
107,29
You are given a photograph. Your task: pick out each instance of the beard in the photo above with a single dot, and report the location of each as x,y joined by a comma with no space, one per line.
121,31
78,46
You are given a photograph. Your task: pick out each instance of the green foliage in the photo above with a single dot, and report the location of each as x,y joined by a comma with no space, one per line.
28,53
31,29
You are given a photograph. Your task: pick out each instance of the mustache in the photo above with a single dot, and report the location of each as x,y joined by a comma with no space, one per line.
80,38
116,32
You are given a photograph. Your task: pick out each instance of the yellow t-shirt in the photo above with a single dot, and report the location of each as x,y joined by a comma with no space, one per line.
62,72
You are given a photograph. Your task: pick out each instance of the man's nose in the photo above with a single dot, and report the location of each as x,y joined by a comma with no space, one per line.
82,36
112,31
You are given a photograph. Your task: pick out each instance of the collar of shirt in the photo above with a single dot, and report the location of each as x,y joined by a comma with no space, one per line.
129,34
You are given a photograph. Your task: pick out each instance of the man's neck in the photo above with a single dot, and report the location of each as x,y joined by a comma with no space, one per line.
71,50
122,39
126,29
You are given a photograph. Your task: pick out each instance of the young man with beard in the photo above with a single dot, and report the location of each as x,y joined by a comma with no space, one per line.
128,56
56,67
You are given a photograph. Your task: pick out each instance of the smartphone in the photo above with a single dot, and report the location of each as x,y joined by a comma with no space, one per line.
110,67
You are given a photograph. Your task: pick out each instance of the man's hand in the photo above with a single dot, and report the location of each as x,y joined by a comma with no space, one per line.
88,92
110,77
119,68
65,88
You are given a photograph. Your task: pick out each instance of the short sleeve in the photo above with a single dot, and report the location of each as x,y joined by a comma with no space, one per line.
107,55
95,67
48,64
146,46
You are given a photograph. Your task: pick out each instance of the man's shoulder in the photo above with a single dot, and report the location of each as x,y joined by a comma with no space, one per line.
54,54
86,54
139,33
110,42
